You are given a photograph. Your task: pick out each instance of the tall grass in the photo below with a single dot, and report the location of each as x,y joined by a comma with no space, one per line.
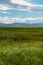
21,45
21,53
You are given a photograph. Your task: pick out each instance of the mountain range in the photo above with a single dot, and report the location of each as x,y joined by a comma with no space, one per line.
23,24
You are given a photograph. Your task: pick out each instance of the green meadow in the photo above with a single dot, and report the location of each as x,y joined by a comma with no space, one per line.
21,45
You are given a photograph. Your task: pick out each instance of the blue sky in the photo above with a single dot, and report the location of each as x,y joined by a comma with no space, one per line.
21,11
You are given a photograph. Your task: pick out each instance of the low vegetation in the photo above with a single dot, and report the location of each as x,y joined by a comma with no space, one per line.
21,45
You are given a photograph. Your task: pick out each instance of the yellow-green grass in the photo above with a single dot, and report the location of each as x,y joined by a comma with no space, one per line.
18,53
21,45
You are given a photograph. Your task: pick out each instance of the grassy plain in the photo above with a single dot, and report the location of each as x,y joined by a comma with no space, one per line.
21,45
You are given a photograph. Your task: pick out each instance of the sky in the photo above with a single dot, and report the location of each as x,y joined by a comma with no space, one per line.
21,11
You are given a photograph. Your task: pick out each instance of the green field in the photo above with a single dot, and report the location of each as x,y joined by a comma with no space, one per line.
21,45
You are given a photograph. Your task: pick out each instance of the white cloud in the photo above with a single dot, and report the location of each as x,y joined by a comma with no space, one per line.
3,7
10,20
24,2
20,2
4,12
29,5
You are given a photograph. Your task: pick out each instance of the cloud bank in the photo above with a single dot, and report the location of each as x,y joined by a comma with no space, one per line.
11,20
9,7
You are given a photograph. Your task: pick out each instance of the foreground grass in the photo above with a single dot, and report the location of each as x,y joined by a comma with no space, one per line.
18,53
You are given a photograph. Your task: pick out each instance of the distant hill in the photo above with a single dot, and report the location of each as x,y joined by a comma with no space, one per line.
23,24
